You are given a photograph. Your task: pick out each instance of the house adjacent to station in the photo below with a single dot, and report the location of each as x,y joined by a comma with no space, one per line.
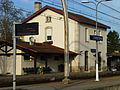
51,32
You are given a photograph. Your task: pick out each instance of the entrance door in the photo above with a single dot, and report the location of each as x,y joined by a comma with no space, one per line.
86,60
99,61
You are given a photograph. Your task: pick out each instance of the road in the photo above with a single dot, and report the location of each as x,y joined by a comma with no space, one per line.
74,84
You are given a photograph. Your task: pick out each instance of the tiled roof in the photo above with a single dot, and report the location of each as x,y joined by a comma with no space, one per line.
76,17
38,48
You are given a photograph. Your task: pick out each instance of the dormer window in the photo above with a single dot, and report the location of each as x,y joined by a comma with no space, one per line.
48,19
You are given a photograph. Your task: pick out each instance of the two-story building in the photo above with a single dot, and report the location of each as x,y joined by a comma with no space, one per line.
51,30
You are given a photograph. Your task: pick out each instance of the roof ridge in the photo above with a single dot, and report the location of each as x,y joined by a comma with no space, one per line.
74,16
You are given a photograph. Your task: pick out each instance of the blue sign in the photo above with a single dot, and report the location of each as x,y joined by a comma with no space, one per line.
93,50
96,38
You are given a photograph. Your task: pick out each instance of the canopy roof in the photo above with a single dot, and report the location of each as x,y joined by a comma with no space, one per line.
36,48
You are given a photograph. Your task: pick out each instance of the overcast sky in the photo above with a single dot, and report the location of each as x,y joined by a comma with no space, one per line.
115,4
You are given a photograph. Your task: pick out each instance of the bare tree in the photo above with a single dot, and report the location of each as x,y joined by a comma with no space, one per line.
8,14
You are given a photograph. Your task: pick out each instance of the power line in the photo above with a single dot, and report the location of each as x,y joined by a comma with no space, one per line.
109,7
94,9
78,11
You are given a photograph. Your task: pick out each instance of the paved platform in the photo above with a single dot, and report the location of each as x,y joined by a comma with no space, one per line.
53,81
87,84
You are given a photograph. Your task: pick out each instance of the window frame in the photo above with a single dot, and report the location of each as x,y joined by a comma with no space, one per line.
86,35
48,19
46,34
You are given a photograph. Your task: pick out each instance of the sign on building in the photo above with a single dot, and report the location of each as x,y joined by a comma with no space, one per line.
26,29
93,50
96,38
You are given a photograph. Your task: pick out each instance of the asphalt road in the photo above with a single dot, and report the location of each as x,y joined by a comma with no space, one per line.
74,85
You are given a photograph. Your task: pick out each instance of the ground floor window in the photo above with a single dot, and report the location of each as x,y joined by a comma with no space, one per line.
26,57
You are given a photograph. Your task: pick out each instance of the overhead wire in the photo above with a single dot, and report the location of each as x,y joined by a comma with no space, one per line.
109,7
80,12
94,9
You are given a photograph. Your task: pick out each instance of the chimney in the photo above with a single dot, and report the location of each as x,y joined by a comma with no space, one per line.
37,6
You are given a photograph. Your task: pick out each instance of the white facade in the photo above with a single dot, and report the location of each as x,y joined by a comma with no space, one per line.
77,38
53,30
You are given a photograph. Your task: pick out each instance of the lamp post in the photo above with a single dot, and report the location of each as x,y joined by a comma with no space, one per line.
97,33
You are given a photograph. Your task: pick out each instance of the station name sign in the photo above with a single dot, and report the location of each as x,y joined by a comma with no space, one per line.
96,38
26,29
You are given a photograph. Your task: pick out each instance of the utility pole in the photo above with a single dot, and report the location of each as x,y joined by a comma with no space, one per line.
14,58
66,43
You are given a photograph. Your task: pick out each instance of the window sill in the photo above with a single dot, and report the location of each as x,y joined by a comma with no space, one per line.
48,42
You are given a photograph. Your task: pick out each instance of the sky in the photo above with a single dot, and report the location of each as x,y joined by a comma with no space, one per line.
112,18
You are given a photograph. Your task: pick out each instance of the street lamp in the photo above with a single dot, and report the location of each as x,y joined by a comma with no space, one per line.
97,33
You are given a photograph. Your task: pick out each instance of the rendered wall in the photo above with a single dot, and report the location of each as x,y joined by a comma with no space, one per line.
77,41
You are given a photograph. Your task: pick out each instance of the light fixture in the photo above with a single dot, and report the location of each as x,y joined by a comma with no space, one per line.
107,0
85,1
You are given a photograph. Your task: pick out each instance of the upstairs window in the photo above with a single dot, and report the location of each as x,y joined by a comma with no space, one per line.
86,34
48,19
49,34
100,33
94,32
49,38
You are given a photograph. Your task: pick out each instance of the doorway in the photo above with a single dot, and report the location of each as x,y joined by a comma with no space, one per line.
99,61
86,60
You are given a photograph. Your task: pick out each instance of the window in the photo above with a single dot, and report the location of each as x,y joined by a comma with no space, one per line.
56,58
48,34
94,32
42,58
48,19
49,37
100,33
26,57
86,34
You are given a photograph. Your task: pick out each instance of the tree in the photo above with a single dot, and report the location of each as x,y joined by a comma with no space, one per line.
113,42
8,14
